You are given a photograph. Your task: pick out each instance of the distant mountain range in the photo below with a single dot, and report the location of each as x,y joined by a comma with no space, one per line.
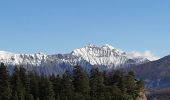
155,73
105,57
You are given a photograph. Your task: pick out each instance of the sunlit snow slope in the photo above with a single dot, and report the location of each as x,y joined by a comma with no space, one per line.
105,57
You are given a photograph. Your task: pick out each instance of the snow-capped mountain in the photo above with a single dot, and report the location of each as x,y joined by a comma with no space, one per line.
105,57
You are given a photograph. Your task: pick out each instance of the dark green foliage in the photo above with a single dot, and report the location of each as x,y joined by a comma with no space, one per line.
96,83
17,85
5,91
49,91
57,85
80,81
46,89
34,85
30,97
67,88
76,86
15,96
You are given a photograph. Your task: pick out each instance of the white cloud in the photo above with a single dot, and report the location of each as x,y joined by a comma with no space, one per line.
147,54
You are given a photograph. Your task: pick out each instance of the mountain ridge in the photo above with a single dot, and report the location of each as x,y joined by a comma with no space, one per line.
156,74
106,56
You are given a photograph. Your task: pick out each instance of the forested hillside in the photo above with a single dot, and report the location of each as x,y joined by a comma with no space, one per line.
76,85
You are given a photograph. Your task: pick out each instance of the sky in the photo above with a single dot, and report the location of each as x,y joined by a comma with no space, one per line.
59,26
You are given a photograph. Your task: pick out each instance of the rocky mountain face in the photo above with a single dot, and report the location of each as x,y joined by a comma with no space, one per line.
156,74
105,57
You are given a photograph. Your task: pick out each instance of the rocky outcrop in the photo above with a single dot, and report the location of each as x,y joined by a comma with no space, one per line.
142,95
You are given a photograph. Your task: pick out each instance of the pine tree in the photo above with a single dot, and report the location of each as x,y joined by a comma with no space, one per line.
42,85
49,91
81,81
96,83
5,91
67,87
131,84
23,76
15,97
17,86
46,89
34,85
37,98
58,97
115,85
57,85
30,97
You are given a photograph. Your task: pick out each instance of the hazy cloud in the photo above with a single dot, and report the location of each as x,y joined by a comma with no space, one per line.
147,54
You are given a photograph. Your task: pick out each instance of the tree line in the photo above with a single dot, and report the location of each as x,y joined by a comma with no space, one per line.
76,85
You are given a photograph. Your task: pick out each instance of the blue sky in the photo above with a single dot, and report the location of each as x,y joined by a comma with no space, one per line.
59,26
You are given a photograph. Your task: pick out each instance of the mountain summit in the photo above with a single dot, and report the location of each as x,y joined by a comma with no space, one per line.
105,57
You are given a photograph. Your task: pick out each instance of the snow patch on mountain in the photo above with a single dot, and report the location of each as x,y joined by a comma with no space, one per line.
21,59
105,57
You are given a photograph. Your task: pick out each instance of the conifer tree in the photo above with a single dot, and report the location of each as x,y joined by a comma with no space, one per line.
49,91
96,83
15,97
17,86
30,97
46,89
114,85
67,87
57,85
5,91
34,85
81,81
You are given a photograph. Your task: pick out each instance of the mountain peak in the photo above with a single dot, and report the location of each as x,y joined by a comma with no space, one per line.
97,50
108,46
94,50
90,45
106,57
